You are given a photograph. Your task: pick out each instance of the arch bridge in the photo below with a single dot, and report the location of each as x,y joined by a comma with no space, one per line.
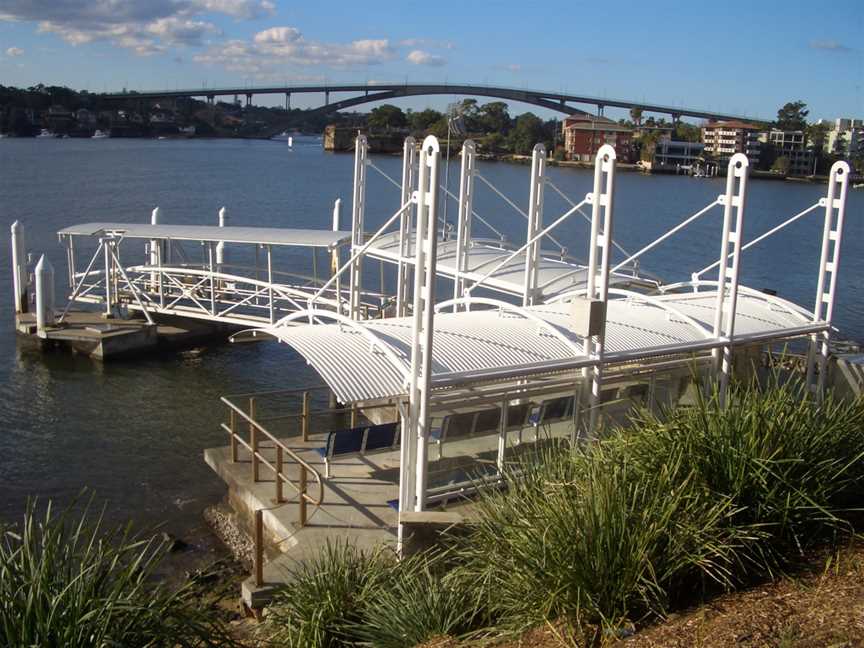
372,92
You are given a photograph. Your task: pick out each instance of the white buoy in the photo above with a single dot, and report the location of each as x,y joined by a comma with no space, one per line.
220,246
19,268
337,214
290,142
44,275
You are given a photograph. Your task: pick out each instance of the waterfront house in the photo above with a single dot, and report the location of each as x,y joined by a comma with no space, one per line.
585,134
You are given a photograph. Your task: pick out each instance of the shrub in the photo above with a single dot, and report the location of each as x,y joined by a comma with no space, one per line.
68,582
324,600
706,497
413,605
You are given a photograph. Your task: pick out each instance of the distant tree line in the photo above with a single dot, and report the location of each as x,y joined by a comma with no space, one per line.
489,124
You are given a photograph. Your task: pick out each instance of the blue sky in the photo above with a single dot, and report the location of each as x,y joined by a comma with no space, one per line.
737,57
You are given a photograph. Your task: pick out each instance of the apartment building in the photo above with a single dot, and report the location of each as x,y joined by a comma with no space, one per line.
791,145
585,134
722,139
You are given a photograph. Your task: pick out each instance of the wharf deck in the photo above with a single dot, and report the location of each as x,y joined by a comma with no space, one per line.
95,335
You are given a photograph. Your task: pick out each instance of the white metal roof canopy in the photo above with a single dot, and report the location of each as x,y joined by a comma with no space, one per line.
349,356
212,233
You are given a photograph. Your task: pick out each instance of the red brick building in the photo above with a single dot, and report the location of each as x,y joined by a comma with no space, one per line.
585,134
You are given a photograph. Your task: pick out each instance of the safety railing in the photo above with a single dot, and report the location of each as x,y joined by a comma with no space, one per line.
257,433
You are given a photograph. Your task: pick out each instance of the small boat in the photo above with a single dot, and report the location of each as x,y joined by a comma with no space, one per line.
100,134
860,185
45,134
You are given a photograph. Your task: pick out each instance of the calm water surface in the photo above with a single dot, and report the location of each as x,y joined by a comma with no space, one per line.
135,431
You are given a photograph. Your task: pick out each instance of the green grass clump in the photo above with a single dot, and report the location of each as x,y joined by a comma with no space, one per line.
414,604
704,497
65,581
324,602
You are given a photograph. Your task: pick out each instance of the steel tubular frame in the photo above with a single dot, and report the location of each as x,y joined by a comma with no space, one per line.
829,265
602,204
734,203
413,495
358,208
466,208
409,155
535,222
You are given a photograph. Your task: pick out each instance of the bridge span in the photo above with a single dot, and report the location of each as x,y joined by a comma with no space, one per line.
372,92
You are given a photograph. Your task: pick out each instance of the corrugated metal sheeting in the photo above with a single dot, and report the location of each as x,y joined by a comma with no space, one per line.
554,277
262,235
488,339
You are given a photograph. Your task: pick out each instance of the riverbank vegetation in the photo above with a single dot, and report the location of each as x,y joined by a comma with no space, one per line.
594,541
66,580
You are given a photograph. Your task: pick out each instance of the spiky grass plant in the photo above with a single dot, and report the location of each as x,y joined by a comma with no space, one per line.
792,465
415,604
596,548
707,496
325,597
66,580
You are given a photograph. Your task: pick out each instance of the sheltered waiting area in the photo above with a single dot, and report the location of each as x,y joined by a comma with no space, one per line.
448,395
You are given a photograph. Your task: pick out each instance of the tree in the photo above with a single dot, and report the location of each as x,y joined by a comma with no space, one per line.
685,132
420,122
386,117
636,116
494,117
792,116
527,132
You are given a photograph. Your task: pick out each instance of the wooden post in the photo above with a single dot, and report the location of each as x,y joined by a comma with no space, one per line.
280,497
304,422
259,548
302,495
253,438
353,415
232,423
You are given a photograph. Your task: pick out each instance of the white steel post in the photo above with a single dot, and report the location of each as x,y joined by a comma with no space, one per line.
602,199
424,311
19,268
535,221
44,279
357,216
463,222
220,246
734,201
829,265
334,255
154,243
409,173
107,250
337,215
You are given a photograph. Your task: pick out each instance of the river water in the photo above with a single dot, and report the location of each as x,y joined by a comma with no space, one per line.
134,431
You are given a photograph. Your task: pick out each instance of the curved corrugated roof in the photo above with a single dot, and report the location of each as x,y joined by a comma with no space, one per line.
481,340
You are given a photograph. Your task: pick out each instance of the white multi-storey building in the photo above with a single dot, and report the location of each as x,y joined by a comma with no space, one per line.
723,139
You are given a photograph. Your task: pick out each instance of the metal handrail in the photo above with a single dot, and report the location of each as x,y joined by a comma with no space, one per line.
280,477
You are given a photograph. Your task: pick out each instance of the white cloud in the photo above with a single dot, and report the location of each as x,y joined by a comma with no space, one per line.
145,27
421,57
12,52
279,46
829,45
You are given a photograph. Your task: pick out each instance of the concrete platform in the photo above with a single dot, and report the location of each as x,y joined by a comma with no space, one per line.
98,336
354,509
